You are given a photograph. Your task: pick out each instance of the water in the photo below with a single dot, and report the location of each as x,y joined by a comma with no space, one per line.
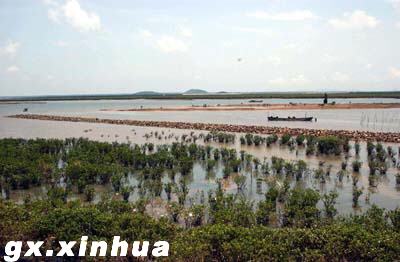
385,120
385,195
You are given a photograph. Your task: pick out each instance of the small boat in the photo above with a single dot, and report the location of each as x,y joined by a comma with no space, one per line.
25,109
255,101
290,118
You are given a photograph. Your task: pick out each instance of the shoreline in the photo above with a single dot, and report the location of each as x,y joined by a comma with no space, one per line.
389,137
22,102
218,95
262,107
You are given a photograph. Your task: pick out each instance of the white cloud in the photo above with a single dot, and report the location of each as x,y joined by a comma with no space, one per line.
254,30
50,2
10,48
328,58
298,15
395,4
165,43
227,44
291,46
60,43
12,69
275,60
369,66
340,77
79,18
357,20
54,14
394,72
145,33
74,15
186,32
278,81
170,44
297,80
398,24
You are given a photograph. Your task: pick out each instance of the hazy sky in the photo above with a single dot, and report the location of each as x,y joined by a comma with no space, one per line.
104,46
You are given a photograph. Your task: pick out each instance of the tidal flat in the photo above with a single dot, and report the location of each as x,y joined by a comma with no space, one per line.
192,187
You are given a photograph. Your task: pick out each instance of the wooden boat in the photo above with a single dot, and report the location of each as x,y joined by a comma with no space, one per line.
255,101
289,118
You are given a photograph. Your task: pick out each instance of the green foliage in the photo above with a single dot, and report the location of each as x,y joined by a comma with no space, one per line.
329,145
271,139
211,163
174,210
116,181
249,139
235,234
335,242
394,217
196,215
285,139
301,209
240,181
300,139
126,192
168,189
57,195
277,164
226,228
231,210
265,209
357,192
242,140
329,201
227,171
356,165
370,148
89,193
222,137
186,166
257,140
357,148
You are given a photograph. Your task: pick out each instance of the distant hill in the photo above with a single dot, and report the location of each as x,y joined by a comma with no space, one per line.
195,92
147,93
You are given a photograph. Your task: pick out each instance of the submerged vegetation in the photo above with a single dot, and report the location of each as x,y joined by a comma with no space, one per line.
290,220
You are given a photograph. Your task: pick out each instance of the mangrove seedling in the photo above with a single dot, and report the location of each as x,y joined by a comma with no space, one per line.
356,165
240,181
89,193
357,192
329,201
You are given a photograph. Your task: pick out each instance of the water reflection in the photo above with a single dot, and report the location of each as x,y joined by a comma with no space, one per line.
385,194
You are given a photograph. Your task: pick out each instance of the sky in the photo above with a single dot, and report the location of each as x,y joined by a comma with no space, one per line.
56,47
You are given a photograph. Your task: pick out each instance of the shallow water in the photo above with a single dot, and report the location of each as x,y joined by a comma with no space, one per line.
385,120
385,195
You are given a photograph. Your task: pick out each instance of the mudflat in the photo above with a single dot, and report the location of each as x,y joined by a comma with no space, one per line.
267,107
393,137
